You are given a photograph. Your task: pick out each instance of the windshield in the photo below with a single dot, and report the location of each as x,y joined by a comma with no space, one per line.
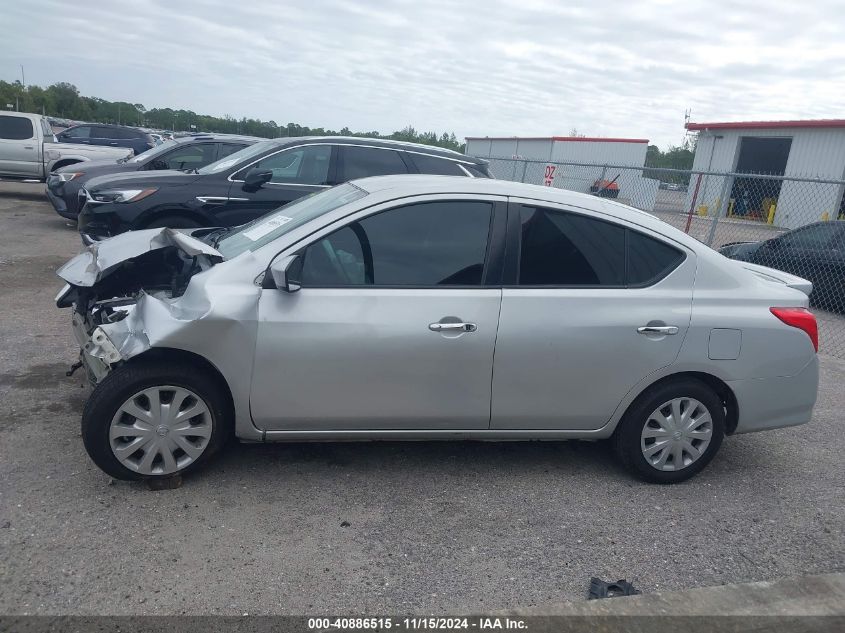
294,214
238,157
152,153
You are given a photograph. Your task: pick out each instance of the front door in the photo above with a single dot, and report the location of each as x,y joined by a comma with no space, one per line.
393,329
297,172
571,341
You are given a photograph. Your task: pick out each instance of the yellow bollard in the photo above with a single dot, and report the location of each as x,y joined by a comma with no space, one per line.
731,207
825,216
702,209
771,218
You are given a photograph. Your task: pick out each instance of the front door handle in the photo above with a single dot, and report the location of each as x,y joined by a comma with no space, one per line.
658,329
213,200
452,327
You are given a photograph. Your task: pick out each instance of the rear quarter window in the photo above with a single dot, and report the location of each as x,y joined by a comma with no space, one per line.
437,166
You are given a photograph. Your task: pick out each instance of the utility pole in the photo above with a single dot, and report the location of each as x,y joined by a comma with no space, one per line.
23,78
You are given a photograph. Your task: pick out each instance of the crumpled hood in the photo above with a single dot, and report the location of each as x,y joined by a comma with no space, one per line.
101,258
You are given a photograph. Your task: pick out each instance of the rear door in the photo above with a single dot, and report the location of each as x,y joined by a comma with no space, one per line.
19,145
297,171
579,290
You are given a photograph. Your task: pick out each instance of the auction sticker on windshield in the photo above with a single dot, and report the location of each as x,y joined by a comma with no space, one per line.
257,232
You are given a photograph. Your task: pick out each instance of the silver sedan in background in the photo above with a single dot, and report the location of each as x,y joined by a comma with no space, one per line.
417,307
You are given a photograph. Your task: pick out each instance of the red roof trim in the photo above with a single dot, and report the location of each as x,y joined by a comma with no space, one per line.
574,139
745,125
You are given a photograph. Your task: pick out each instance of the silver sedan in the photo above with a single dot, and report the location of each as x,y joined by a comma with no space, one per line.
416,307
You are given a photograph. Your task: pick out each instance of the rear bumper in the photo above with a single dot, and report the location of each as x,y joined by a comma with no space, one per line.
773,403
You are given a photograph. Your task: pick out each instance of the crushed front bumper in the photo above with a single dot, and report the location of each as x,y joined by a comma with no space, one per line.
95,366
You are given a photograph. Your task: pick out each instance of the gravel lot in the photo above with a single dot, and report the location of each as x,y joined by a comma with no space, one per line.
382,527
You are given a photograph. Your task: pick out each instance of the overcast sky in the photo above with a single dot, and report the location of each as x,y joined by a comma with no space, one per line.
527,68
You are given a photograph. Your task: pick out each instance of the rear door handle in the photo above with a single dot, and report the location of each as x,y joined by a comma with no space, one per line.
658,329
453,327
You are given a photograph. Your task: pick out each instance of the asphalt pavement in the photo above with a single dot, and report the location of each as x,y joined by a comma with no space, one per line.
388,527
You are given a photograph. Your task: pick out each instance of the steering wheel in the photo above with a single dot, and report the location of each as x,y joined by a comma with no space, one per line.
335,262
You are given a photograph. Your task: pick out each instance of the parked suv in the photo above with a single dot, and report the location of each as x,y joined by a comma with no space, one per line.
253,181
187,153
114,135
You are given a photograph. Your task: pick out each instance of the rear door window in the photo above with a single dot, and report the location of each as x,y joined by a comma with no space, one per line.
363,162
16,128
560,248
566,249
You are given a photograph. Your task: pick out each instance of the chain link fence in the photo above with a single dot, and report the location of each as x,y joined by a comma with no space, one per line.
794,224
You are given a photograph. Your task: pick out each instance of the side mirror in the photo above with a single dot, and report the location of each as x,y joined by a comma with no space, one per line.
255,179
285,273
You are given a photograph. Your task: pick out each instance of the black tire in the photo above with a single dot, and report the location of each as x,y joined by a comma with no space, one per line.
627,438
127,380
173,222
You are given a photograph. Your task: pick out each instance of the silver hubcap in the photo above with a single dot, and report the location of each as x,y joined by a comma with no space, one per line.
676,434
160,430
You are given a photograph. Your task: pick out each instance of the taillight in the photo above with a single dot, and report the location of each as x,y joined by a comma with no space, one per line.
801,318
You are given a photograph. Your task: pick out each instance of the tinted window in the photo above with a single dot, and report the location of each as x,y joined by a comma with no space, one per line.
228,148
810,237
101,131
307,165
431,244
15,128
649,259
83,131
566,249
438,166
362,162
188,157
125,133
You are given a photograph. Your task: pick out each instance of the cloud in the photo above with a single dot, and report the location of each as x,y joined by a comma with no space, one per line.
529,68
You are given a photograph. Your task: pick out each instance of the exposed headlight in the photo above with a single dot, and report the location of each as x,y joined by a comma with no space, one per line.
122,195
68,176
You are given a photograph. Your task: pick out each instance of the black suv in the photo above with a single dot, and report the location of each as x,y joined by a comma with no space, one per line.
253,181
114,135
190,152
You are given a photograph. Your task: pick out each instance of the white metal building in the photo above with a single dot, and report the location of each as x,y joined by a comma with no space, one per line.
808,149
568,154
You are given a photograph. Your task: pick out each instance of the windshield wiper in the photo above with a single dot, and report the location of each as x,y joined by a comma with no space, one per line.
214,237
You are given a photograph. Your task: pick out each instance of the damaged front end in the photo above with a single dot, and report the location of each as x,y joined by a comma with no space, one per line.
115,285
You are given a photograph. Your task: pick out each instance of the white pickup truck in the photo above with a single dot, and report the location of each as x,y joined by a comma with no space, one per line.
28,148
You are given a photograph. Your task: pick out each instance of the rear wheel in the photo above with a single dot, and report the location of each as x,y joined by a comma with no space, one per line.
154,420
671,432
173,222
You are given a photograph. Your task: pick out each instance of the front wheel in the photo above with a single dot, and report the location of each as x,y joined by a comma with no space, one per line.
154,420
671,432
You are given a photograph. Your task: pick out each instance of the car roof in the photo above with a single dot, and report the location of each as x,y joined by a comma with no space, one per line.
381,142
211,136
